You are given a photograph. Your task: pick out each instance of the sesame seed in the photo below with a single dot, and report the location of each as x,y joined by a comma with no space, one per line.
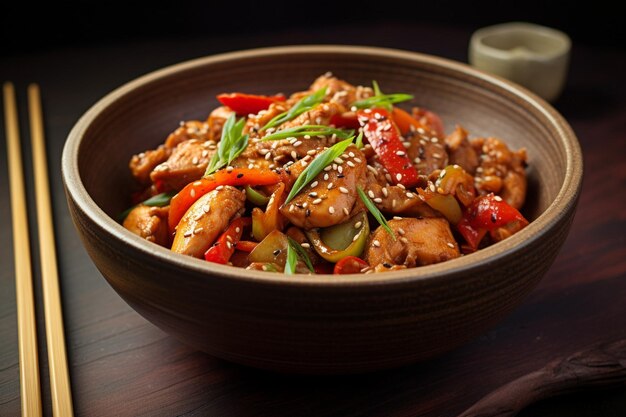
205,153
431,186
393,203
404,240
385,192
250,166
343,190
219,187
434,140
313,194
400,153
237,229
304,163
316,201
193,193
340,169
407,145
409,194
355,237
397,218
371,194
351,164
305,204
388,177
346,211
357,225
450,244
325,177
268,156
417,160
358,160
351,154
187,234
311,152
420,130
307,137
399,177
437,155
206,208
263,151
292,208
314,184
338,160
229,238
298,143
376,243
328,168
294,155
378,200
229,245
372,169
497,198
305,245
198,230
330,185
401,231
331,210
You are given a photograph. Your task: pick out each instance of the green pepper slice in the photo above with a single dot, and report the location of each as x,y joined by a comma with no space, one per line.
346,239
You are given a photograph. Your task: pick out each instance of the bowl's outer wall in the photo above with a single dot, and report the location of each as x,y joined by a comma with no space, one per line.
300,327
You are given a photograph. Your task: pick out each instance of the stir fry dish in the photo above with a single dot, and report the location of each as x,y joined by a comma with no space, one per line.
335,179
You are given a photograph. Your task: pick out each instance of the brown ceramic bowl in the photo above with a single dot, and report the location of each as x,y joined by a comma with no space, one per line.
319,324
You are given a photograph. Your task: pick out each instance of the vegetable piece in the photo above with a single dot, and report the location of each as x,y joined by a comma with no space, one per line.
345,239
159,200
305,104
359,141
381,100
224,247
310,130
244,104
405,121
233,142
256,197
456,181
375,212
292,260
382,134
345,120
445,204
301,253
237,177
350,265
246,245
316,166
272,249
487,213
265,222
491,212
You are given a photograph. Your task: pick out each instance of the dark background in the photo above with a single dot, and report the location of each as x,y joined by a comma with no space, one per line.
29,28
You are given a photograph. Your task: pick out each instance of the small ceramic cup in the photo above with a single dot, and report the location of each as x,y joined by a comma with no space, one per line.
534,56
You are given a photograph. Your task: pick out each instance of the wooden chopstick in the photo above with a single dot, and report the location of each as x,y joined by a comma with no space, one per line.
26,325
57,358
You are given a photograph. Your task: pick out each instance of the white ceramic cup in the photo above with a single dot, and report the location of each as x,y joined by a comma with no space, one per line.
534,56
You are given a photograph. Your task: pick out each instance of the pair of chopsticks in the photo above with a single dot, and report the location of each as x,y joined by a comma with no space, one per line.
26,322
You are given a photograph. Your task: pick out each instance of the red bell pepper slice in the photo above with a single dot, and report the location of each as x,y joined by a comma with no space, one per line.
350,265
382,133
244,104
346,120
224,247
485,214
421,118
237,177
246,245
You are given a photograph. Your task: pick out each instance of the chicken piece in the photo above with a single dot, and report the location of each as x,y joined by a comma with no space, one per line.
142,164
461,151
331,196
257,121
339,91
209,216
149,222
191,129
187,163
426,153
216,121
418,242
501,171
394,199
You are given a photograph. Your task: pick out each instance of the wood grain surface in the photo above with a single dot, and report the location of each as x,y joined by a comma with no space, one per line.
122,365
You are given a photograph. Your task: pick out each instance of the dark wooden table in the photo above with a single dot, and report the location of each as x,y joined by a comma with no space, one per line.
121,365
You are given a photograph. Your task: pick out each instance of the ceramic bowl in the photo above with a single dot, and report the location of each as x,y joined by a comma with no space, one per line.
534,56
319,324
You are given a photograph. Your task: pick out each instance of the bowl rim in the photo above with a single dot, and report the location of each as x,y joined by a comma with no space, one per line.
566,196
